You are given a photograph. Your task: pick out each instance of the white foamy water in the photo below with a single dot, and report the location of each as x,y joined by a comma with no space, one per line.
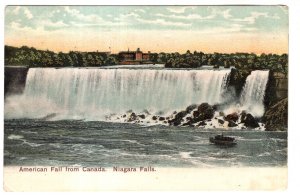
252,97
74,93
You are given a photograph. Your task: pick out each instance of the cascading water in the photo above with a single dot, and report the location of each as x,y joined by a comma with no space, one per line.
74,93
252,96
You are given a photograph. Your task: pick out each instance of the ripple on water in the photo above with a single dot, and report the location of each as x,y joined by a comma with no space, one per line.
15,137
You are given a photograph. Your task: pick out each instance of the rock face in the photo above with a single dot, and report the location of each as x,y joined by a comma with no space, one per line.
276,117
237,79
15,79
277,88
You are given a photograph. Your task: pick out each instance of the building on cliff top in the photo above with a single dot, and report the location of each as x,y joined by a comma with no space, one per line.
134,57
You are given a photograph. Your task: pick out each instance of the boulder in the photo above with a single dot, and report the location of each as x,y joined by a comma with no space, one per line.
154,118
132,117
203,107
161,118
178,118
142,116
175,122
232,124
221,121
234,117
202,123
180,115
216,106
196,114
249,121
206,111
189,118
190,108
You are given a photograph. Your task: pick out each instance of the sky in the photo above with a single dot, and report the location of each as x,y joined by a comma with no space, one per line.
224,29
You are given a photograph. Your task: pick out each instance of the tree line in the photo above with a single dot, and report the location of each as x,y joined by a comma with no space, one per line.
32,57
40,58
251,61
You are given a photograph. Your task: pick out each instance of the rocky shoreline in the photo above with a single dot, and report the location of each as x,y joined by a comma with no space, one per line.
202,116
276,117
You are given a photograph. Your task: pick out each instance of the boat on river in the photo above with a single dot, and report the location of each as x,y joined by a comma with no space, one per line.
223,140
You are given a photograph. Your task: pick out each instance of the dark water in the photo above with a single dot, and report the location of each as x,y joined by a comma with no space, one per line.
54,143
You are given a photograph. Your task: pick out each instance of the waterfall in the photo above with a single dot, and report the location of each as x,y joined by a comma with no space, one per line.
252,96
77,93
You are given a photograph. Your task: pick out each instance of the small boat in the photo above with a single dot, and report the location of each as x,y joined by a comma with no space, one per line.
223,140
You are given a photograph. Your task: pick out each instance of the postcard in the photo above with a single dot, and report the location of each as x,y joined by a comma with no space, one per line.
139,98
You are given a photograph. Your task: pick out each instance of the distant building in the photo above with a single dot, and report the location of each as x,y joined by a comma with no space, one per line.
134,57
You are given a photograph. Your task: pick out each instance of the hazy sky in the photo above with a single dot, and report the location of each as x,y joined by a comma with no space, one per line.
226,29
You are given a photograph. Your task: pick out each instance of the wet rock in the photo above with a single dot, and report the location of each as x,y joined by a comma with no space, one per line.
206,111
249,121
154,118
124,116
216,107
203,107
231,123
180,115
243,114
186,124
233,116
189,118
191,107
196,114
161,118
176,123
221,121
132,117
202,123
178,118
142,116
